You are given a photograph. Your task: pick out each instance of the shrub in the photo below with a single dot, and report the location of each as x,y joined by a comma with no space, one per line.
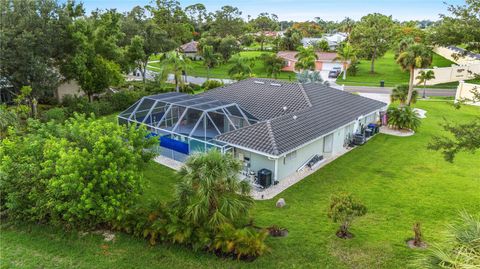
56,114
403,118
82,173
123,99
243,243
211,84
400,93
343,209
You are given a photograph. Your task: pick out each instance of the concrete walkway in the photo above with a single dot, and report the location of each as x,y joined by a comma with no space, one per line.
289,181
170,163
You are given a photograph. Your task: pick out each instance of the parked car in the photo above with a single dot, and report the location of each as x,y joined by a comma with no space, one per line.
333,74
337,69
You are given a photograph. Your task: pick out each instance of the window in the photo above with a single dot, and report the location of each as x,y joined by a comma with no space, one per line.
290,156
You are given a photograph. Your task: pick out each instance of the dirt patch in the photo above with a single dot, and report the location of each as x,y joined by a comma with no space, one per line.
411,244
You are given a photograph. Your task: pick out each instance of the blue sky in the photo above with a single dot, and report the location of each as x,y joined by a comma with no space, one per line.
301,10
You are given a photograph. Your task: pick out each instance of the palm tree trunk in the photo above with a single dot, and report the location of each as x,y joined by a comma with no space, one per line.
344,70
410,86
208,73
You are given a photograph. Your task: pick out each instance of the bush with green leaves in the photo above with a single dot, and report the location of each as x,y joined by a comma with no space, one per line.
57,114
83,173
343,209
403,118
123,99
211,84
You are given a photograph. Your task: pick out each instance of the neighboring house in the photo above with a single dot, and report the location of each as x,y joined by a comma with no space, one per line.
190,50
266,124
272,34
70,87
333,40
7,91
325,62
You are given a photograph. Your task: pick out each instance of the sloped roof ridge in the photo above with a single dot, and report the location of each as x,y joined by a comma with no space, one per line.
305,94
272,138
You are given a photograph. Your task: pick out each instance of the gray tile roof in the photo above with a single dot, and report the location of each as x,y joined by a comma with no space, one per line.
191,46
328,110
263,98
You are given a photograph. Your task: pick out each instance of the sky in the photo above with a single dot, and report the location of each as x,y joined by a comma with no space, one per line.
303,10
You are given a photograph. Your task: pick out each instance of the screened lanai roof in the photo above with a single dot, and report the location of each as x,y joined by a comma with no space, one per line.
193,116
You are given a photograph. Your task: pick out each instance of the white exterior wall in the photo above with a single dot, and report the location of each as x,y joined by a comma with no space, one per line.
289,166
465,91
257,161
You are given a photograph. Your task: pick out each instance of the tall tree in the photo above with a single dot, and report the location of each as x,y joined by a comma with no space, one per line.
346,54
308,29
460,27
372,37
197,14
177,63
414,56
147,39
95,62
170,17
264,22
227,21
227,47
423,77
34,43
291,40
210,58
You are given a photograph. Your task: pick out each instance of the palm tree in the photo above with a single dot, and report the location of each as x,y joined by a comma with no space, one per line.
273,65
346,54
210,58
306,58
210,192
177,63
414,56
305,52
400,93
460,249
423,77
241,68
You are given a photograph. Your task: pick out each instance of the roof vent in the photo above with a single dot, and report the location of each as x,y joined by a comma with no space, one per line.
259,82
285,108
294,117
276,84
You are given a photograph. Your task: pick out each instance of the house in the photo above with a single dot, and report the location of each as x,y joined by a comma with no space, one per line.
190,50
266,124
333,40
70,87
325,61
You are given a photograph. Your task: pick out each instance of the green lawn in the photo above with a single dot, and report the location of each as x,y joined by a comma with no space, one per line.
385,69
398,179
197,68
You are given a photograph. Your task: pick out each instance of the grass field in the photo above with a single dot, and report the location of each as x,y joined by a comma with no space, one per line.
398,179
386,69
197,69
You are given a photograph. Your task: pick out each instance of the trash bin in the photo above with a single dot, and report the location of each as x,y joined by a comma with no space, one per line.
382,83
368,132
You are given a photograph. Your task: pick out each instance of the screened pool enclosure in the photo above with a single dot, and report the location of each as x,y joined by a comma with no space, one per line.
186,123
